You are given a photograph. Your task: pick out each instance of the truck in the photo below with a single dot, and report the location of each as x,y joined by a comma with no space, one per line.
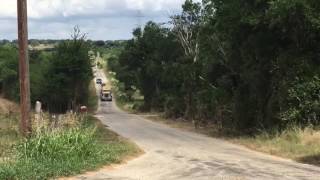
105,94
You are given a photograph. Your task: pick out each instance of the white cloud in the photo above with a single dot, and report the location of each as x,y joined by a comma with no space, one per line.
8,8
102,19
66,8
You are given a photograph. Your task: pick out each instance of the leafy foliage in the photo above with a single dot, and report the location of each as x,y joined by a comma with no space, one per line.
9,71
235,63
69,75
60,79
304,102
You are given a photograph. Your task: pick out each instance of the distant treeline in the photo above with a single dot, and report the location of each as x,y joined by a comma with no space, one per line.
246,65
31,41
36,42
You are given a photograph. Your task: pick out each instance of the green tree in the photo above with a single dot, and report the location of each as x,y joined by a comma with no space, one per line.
9,86
264,45
241,64
69,74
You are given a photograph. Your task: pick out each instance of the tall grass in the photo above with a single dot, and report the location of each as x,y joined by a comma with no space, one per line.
8,136
301,144
59,145
64,151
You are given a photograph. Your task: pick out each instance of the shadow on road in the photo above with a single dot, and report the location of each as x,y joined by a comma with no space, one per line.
314,160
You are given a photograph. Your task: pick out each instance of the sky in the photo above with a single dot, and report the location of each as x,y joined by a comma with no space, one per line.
100,19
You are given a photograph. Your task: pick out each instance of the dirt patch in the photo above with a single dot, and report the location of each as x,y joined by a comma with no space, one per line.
7,106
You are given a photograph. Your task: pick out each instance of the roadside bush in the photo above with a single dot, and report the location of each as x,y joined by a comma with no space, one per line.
172,107
304,103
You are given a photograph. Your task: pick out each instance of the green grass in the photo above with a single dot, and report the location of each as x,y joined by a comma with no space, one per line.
9,136
64,152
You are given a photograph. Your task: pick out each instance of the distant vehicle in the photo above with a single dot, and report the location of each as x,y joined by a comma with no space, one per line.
106,95
99,81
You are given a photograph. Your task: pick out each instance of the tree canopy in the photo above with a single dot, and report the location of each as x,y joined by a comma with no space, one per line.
247,65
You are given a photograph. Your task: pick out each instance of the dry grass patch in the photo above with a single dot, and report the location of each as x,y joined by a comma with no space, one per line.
302,145
7,107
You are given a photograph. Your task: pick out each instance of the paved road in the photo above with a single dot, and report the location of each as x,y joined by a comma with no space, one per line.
173,154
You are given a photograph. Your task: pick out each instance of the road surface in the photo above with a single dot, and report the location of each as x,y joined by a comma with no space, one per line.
172,154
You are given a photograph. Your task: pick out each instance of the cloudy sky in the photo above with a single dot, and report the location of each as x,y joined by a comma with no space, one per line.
101,19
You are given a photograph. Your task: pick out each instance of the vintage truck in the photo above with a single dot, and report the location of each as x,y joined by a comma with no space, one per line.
105,94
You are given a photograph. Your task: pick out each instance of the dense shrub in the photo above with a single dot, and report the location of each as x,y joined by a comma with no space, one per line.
304,102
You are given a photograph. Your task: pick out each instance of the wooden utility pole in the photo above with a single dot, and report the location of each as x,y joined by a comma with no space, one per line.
25,105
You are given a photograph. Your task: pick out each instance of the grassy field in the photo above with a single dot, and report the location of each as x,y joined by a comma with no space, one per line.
64,151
